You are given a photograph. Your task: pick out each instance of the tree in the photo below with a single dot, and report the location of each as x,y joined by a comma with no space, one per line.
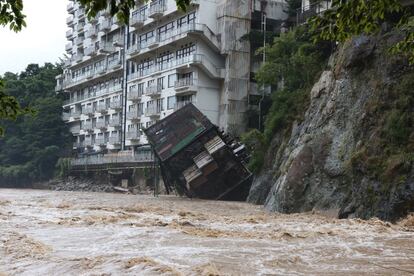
33,144
354,17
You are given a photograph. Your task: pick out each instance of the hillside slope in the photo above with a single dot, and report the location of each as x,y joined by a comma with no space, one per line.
354,150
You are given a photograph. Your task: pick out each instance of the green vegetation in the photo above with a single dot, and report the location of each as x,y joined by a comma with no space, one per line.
293,65
389,153
354,17
33,142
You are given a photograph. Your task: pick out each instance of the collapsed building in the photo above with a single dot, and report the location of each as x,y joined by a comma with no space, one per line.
198,159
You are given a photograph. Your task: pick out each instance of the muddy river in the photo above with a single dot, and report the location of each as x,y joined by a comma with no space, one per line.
73,233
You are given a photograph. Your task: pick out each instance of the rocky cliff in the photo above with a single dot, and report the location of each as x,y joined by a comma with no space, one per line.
354,150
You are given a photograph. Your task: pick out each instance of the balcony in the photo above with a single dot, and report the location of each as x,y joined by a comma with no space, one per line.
80,13
104,24
106,47
88,143
100,141
151,42
79,40
78,145
78,58
134,50
90,51
134,95
100,70
157,9
88,110
115,88
114,64
134,115
153,90
137,20
75,114
87,127
185,85
115,140
70,7
115,122
133,135
69,47
102,108
65,116
116,105
91,31
69,34
181,104
101,125
80,27
70,21
152,111
118,41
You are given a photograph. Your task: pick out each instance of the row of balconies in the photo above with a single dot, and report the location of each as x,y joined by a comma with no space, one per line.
100,141
99,93
196,59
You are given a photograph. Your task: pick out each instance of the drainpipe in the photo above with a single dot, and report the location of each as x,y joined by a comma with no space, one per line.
125,86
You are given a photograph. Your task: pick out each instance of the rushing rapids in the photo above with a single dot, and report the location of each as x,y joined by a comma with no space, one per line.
73,233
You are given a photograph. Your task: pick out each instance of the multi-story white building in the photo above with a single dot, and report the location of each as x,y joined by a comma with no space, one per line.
121,79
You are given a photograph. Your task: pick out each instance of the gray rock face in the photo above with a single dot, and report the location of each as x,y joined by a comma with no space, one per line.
310,170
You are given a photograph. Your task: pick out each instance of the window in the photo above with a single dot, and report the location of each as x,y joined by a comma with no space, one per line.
165,31
171,80
140,88
186,20
186,50
160,83
170,102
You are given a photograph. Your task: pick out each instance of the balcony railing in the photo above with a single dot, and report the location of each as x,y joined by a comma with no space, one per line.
106,47
115,140
87,126
134,95
75,114
185,85
88,143
157,8
80,13
88,110
104,24
116,105
65,116
134,115
114,64
69,21
134,49
137,20
115,122
79,40
196,59
122,157
68,46
69,34
101,124
91,31
153,90
133,135
102,108
152,111
90,51
151,42
80,27
100,141
70,7
306,12
78,57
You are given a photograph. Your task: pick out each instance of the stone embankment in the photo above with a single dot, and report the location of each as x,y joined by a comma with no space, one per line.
79,184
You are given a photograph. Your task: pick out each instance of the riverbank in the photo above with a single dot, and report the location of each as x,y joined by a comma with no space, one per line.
72,233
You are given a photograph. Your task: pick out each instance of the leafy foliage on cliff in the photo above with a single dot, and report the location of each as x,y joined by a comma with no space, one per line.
33,143
354,17
293,64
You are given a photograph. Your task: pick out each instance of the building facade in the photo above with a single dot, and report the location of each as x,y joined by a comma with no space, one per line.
121,79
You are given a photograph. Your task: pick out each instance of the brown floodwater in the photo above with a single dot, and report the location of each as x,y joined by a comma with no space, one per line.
75,233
